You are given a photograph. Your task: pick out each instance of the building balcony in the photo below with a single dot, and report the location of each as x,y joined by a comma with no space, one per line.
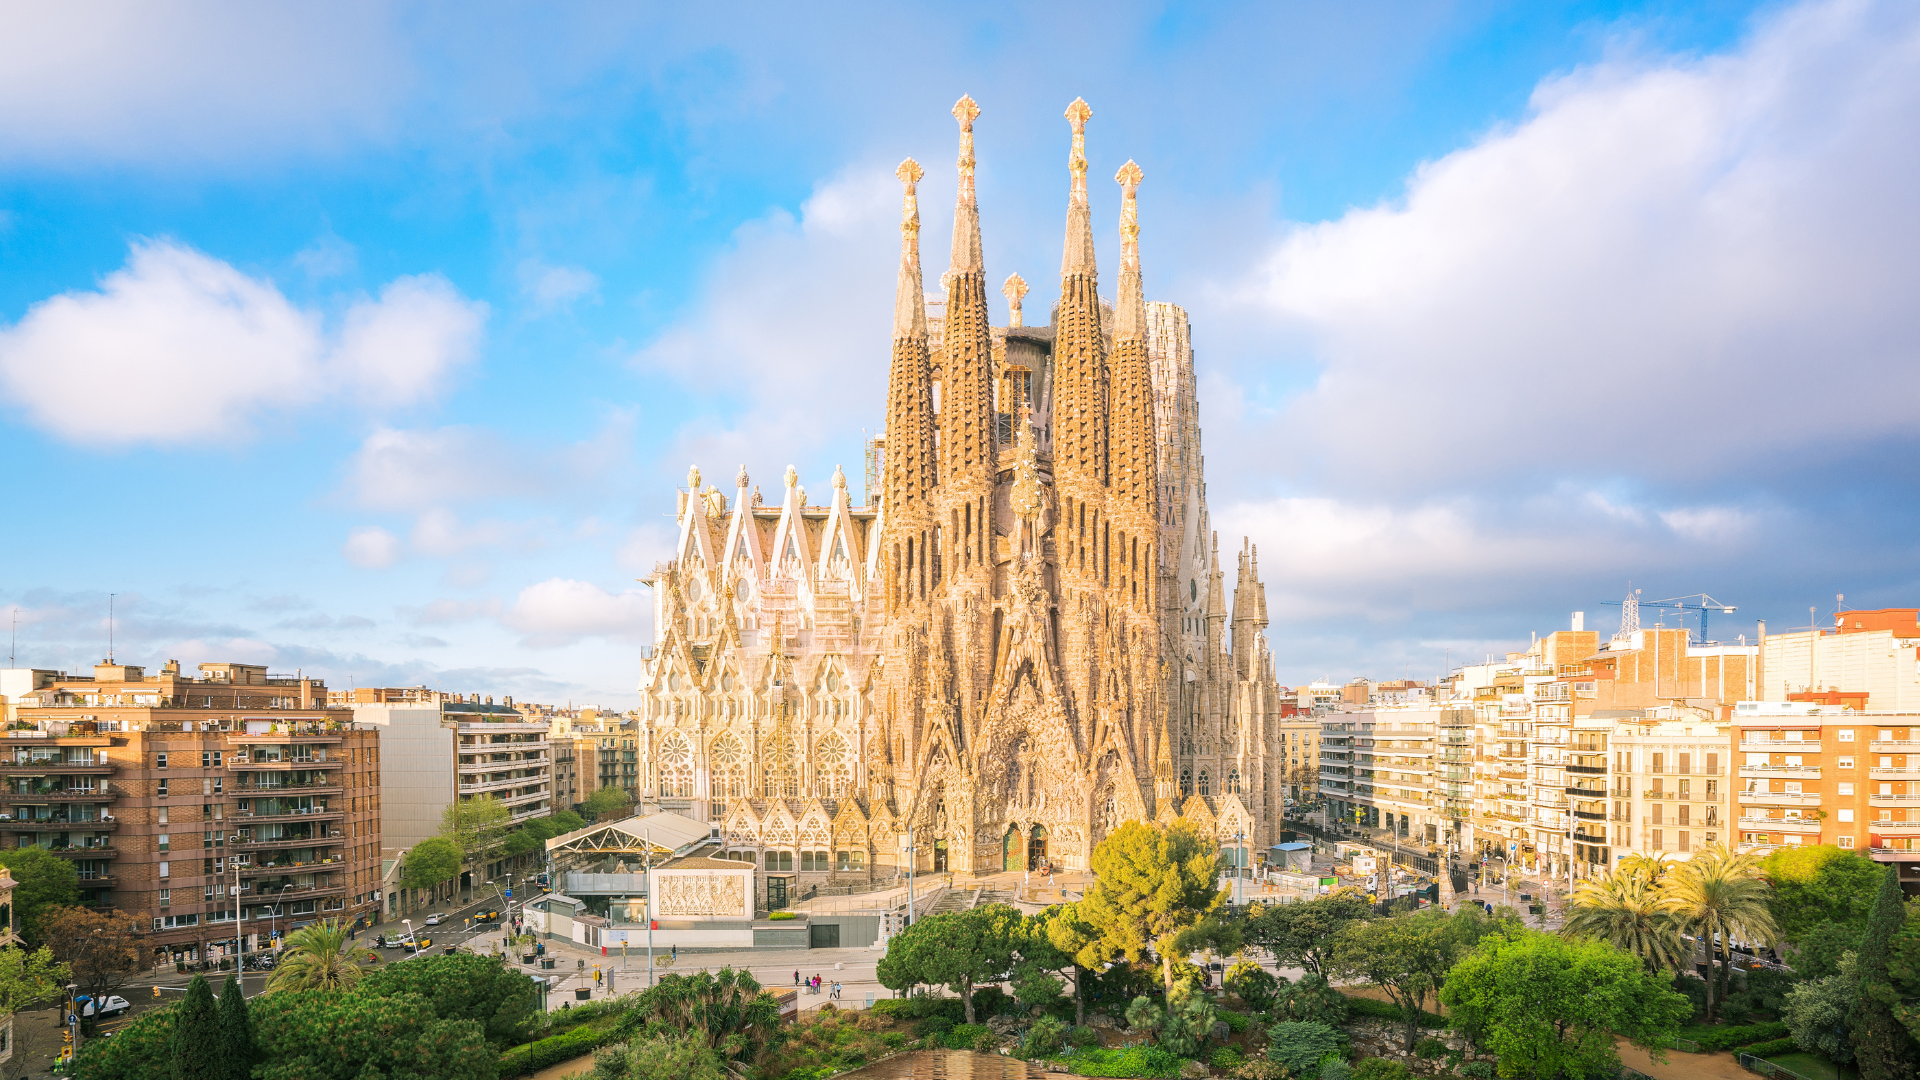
1892,800
318,787
1586,793
1778,798
238,762
102,824
482,787
484,727
1895,828
1796,771
307,814
1910,772
1894,745
283,738
269,893
1895,854
1590,815
333,840
79,733
56,795
82,851
308,866
474,767
1769,747
96,880
53,768
530,797
1773,824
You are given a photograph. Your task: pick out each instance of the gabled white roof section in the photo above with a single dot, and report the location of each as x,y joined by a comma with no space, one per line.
663,833
792,553
743,540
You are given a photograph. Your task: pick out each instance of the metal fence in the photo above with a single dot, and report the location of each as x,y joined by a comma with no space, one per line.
1768,1068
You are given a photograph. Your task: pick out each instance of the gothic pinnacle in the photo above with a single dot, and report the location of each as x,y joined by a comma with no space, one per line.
1078,256
966,212
909,305
1130,313
1014,290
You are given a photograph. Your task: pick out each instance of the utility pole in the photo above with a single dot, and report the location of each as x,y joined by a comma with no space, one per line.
647,835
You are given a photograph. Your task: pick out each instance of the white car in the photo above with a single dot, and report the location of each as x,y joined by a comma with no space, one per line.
114,1007
435,920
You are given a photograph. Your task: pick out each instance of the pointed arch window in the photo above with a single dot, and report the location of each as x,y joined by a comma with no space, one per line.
1206,788
1186,782
778,778
833,767
1233,781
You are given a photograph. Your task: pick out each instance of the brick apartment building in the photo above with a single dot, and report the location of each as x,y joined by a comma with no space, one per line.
232,802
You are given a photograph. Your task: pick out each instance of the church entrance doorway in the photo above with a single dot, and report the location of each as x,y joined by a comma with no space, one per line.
939,856
1010,849
1037,847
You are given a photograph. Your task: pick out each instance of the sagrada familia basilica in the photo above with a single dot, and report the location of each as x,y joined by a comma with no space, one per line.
1021,642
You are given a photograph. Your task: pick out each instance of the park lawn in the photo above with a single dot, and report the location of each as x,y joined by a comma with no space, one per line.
1813,1065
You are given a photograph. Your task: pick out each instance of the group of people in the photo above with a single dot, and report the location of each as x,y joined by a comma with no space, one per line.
812,985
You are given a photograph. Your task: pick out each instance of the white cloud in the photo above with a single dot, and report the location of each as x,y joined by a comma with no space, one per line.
209,350
1670,262
328,256
560,611
410,469
551,288
440,532
789,324
371,547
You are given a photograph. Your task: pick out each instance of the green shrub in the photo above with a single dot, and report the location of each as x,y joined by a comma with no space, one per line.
1148,1062
1225,1058
1310,1000
1252,984
1301,1047
1236,1022
1083,1036
986,1043
962,1036
531,1057
1429,1048
1477,1070
1727,1037
1260,1069
1335,1069
1387,1010
1044,1039
781,916
1771,1047
1382,1069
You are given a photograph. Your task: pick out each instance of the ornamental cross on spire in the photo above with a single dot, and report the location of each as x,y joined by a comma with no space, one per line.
1014,290
1078,114
964,111
909,173
1129,178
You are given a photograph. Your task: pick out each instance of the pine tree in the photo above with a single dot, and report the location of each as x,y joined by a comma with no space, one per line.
236,1033
1882,1048
196,1035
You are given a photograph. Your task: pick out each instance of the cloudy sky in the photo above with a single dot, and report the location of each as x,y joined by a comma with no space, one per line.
371,340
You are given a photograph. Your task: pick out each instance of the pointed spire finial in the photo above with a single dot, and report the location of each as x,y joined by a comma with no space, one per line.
740,481
839,479
1014,290
693,479
1129,178
966,212
965,111
1078,114
909,309
793,476
1078,257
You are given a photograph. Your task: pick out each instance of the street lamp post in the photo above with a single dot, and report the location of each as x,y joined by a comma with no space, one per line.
646,835
907,851
273,913
1240,857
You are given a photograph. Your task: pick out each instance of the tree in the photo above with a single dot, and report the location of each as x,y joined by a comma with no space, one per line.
196,1033
136,1051
1551,1006
1409,955
1883,1049
1252,984
103,950
1155,891
960,949
1717,896
1053,940
464,987
1627,910
321,956
237,1051
333,1035
29,978
726,1012
1299,935
430,862
608,804
1822,896
45,881
566,821
1816,1013
1302,1046
476,825
683,1057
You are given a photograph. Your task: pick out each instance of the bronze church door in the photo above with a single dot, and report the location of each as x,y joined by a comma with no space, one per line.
939,856
1037,847
1010,846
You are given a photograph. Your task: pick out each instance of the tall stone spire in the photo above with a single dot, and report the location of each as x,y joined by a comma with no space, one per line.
910,468
964,500
1080,430
1134,482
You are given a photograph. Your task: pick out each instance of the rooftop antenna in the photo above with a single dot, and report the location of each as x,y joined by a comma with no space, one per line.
110,597
1630,613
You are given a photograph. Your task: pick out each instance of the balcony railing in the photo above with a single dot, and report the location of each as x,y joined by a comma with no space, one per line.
1764,824
1779,798
1909,772
100,824
1765,746
1779,770
56,795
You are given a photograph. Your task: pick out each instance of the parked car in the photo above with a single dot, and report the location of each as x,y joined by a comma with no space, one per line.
115,1005
435,919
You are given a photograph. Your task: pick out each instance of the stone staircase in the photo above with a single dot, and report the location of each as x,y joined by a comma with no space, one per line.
955,900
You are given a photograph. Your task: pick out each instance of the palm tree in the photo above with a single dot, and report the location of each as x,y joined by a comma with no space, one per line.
1653,868
1717,896
1627,910
319,957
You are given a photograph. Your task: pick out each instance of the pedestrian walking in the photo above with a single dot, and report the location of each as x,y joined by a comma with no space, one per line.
796,978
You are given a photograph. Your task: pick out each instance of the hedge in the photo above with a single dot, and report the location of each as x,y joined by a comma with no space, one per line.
1387,1010
1727,1037
1777,1046
1134,1061
532,1057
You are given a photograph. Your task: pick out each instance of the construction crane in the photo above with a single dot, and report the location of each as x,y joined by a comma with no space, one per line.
1631,606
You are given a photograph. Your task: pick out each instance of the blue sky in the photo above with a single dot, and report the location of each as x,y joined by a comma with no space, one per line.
372,340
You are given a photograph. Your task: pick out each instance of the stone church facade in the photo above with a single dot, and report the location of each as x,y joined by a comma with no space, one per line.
1023,638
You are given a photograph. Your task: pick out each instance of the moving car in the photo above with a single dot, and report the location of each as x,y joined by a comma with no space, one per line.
115,1005
435,919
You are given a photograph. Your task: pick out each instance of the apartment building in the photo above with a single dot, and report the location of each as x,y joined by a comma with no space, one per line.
442,747
1406,769
1867,656
1298,757
234,802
